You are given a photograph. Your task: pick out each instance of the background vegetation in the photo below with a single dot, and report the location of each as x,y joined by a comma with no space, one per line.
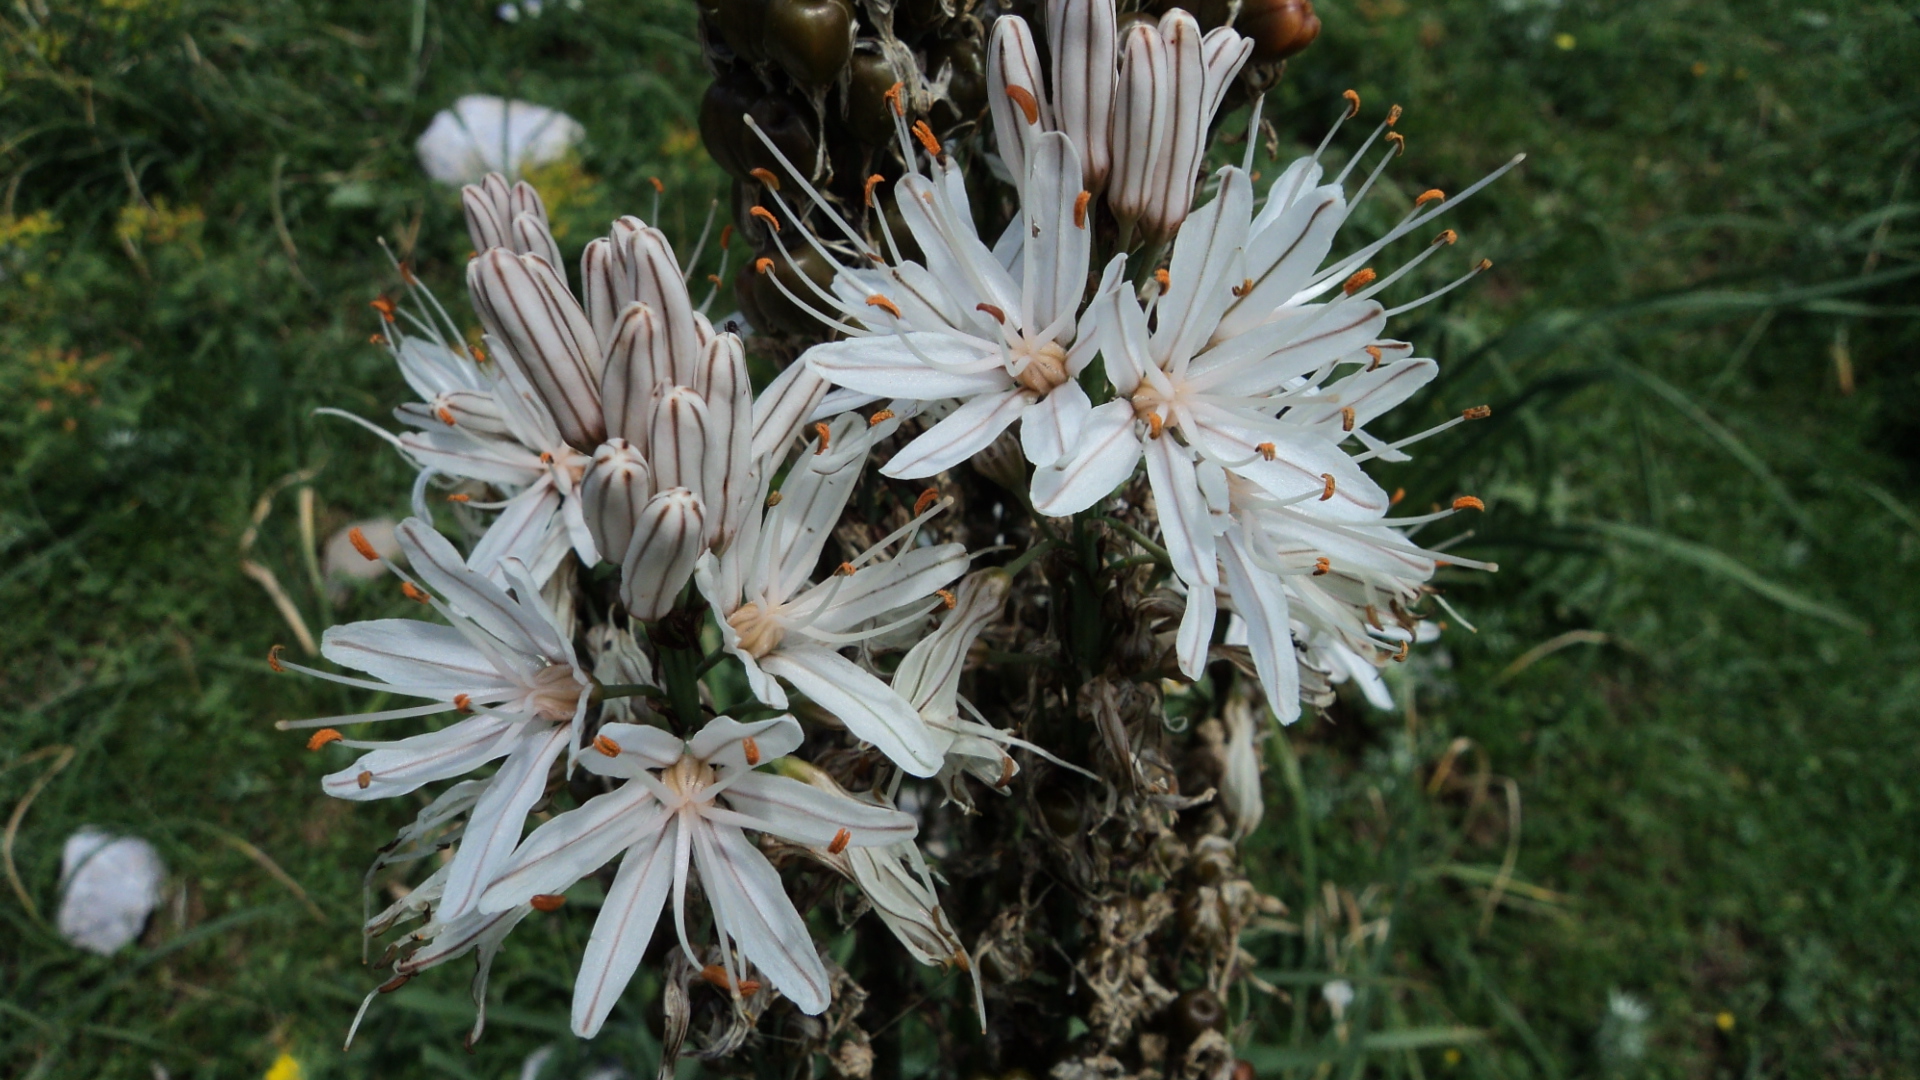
1654,818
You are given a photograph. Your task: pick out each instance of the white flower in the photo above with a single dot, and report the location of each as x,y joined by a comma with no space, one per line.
483,134
501,658
783,627
962,325
687,803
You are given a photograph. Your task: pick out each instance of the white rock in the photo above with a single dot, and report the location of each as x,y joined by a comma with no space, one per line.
112,883
483,134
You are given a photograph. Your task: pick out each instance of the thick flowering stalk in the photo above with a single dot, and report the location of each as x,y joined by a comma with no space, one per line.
785,628
683,806
501,659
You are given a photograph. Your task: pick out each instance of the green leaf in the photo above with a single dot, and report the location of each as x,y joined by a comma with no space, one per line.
1718,562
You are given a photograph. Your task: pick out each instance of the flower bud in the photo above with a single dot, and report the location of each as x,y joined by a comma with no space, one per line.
726,485
1141,107
667,541
530,237
639,365
613,493
545,337
677,439
784,407
650,273
493,218
1081,37
1016,94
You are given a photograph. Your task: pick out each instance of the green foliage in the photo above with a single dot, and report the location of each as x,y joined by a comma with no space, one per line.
1695,341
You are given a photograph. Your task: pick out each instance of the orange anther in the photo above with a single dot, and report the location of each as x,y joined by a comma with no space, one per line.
1373,351
394,983
384,306
845,569
751,748
1353,102
726,235
273,659
1478,412
1430,195
765,215
365,780
1361,279
1468,502
1322,565
1163,279
884,304
546,457
840,841
1447,236
716,975
880,417
1327,492
715,279
927,498
463,702
1402,654
773,500
893,98
415,593
999,316
547,902
1080,202
873,181
1393,116
749,987
925,134
446,416
322,737
946,598
658,187
1398,141
1029,105
1346,418
1266,451
479,354
1484,266
826,436
459,497
1398,494
763,265
1155,425
377,339
1245,287
766,177
606,746
359,541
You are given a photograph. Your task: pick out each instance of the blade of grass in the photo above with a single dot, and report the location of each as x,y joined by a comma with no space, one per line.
1718,562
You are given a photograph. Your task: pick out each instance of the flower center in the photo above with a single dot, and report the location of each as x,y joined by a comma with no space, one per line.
688,777
556,692
1046,364
760,631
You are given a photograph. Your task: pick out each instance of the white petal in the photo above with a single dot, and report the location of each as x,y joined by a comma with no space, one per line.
783,407
527,530
494,825
878,588
965,432
1261,601
747,896
1283,256
1207,266
885,366
1012,60
805,814
404,765
516,625
1055,267
574,845
642,746
868,707
1050,428
1196,632
623,929
929,675
1185,526
723,741
1109,450
420,658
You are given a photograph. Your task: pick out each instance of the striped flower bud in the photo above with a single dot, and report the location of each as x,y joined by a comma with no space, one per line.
650,273
1082,40
667,541
494,212
543,336
638,365
677,440
728,485
613,493
1016,95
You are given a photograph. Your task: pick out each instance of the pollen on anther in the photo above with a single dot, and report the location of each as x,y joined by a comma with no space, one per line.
763,265
1322,565
394,983
924,133
384,306
1155,425
1398,141
765,215
322,737
1447,236
1478,412
826,437
1353,102
415,593
459,497
1393,116
1266,451
446,416
1361,278
751,748
714,279
1427,196
946,598
273,659
463,702
1327,492
872,182
547,902
1346,418
766,177
726,235
1029,105
1468,502
1402,654
927,498
884,304
880,417
660,188
1373,351
1164,280
893,98
365,780
845,569
999,315
546,457
773,499
840,841
1245,287
1398,494
606,746
359,541
1484,266
1080,202
377,339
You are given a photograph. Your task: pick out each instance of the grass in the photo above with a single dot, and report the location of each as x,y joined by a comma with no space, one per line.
1700,476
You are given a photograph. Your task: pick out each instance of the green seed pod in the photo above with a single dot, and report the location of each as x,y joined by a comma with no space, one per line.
725,102
811,40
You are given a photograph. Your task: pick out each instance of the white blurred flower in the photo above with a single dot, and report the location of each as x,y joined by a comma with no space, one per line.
111,884
686,803
483,134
